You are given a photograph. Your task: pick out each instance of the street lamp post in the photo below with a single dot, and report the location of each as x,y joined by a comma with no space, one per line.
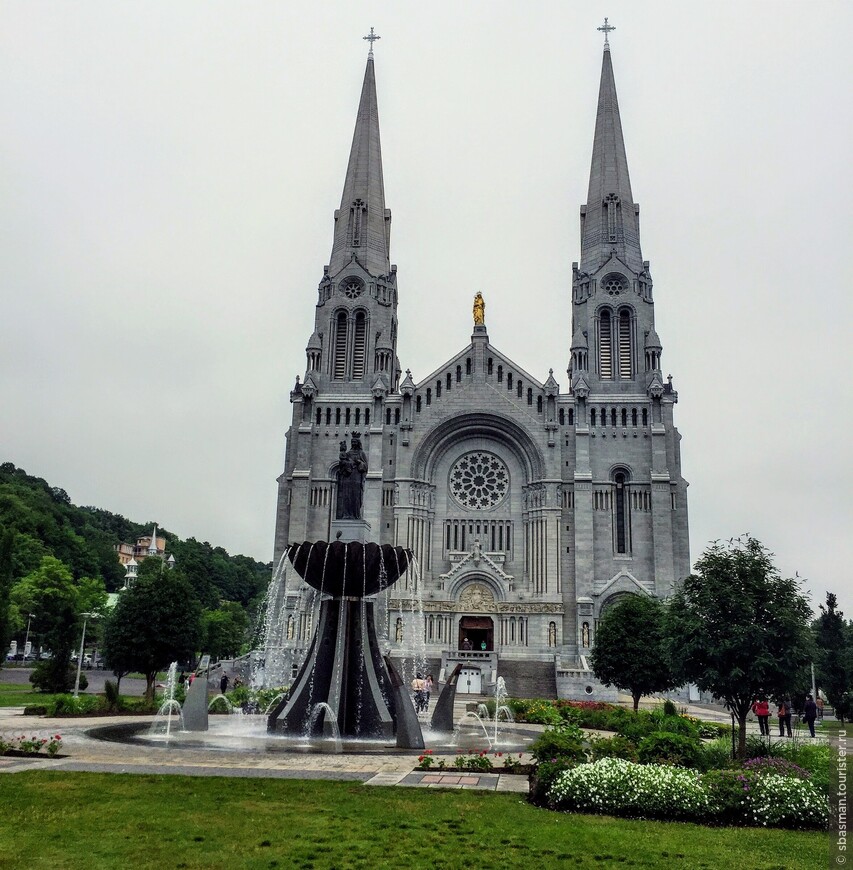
27,640
86,616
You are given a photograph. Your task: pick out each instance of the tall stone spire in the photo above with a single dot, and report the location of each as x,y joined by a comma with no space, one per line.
363,224
610,218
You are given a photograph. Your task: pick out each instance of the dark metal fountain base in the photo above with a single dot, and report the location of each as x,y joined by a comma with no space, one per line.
346,688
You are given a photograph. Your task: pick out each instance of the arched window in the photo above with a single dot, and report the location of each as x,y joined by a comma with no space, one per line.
645,416
346,417
448,381
358,416
328,416
624,418
509,380
319,416
367,416
396,416
337,416
418,403
458,374
605,345
339,371
562,413
529,396
438,389
620,509
613,417
626,367
539,404
489,366
429,396
387,416
359,345
633,416
571,416
500,374
592,416
468,366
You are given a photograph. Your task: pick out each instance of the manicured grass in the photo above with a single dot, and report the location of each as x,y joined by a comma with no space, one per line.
85,820
17,695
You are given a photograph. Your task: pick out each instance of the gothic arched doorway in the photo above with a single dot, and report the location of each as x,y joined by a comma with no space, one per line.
476,633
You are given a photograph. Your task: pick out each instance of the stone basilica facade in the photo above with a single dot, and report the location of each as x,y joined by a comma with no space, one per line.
531,507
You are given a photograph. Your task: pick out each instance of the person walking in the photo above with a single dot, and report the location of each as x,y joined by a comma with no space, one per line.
810,713
762,710
223,683
783,711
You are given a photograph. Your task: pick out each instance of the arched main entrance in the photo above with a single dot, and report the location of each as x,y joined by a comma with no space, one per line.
476,633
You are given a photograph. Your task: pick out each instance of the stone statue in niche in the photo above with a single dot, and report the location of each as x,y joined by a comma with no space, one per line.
552,634
585,634
479,310
352,470
398,631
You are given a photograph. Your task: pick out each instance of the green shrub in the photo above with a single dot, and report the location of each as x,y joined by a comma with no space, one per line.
613,747
541,712
662,747
111,695
636,726
219,705
728,791
669,708
543,777
561,743
68,705
34,710
716,755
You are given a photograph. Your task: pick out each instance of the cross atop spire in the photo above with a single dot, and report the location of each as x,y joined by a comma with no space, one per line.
372,37
605,29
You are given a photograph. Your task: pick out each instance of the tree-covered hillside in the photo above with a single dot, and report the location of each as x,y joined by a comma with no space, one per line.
46,523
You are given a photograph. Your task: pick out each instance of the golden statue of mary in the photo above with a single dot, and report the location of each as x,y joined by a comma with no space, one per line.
479,310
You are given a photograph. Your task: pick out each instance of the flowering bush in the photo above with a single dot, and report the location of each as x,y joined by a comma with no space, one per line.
746,797
426,761
32,745
619,787
779,766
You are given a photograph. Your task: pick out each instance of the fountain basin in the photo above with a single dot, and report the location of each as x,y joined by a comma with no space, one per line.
349,570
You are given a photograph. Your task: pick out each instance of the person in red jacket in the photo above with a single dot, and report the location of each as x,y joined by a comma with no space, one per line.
762,710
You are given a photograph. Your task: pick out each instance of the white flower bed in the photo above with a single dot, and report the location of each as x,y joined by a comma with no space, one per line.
617,787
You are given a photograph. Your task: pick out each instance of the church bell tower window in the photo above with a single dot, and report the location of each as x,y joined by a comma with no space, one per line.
626,368
340,368
611,204
359,349
605,345
356,213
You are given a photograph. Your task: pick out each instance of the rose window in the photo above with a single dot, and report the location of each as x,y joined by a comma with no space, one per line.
613,285
479,480
353,288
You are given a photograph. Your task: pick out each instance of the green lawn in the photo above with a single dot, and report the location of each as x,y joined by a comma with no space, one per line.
15,695
85,820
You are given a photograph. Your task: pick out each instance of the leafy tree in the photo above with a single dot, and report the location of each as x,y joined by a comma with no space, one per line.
50,593
630,650
155,622
6,541
224,630
738,629
832,655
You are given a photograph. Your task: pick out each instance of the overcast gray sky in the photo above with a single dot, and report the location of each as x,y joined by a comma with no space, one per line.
169,173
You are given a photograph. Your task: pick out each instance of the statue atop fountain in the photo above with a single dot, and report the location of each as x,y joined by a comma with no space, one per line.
352,470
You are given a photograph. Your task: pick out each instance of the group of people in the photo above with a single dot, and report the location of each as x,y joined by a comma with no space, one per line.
812,711
422,687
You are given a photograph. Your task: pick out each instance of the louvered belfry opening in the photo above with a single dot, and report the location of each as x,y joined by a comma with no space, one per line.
340,367
358,355
605,345
625,354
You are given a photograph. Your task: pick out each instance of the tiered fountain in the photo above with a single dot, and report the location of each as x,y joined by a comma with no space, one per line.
345,686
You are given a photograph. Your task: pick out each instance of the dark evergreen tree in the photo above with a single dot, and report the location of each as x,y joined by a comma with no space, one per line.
832,655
